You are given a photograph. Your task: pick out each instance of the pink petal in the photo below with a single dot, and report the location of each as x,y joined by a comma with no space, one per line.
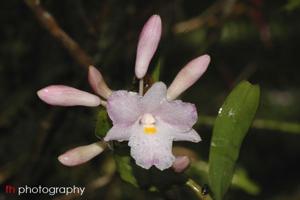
123,107
181,116
147,45
154,96
188,76
118,132
191,136
181,163
60,95
81,154
151,150
97,82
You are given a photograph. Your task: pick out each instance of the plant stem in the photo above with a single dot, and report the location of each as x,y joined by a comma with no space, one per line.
141,87
197,189
49,22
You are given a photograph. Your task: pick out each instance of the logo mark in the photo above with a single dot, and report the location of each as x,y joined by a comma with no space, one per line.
9,189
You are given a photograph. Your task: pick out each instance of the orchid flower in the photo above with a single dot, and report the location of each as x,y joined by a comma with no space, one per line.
150,122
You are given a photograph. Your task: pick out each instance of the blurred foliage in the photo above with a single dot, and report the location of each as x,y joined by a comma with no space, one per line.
257,40
292,5
240,180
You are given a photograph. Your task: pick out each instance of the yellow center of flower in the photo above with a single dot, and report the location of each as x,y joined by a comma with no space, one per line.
148,123
149,129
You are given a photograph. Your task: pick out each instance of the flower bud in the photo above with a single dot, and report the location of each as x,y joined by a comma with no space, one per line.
147,45
60,95
81,154
187,76
181,163
97,82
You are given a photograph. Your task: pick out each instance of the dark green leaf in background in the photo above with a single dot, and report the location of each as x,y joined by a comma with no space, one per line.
103,123
125,169
157,70
233,121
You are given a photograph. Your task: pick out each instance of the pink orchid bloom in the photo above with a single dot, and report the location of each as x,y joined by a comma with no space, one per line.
150,122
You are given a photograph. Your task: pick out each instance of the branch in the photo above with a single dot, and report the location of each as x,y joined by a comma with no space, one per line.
209,15
58,33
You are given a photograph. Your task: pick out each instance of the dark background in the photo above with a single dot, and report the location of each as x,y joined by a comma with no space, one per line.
256,40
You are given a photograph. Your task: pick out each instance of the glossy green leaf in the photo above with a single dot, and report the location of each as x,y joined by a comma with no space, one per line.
103,123
231,125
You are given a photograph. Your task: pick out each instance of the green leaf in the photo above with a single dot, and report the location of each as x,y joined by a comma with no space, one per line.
125,169
156,72
102,124
231,126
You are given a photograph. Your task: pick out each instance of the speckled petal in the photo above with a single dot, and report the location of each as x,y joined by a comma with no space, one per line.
177,114
61,95
191,136
152,150
123,107
118,132
155,96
